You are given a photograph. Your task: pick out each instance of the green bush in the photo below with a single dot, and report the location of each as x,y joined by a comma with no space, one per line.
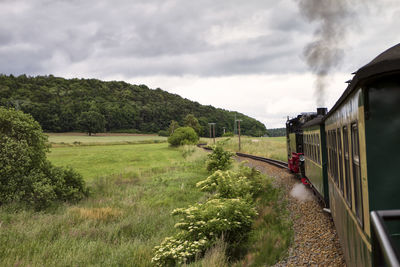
183,136
163,133
26,175
227,184
228,134
247,183
219,159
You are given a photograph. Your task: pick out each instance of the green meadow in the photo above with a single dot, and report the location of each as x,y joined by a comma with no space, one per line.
76,139
134,188
128,160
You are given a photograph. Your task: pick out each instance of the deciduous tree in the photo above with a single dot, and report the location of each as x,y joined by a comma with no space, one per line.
91,122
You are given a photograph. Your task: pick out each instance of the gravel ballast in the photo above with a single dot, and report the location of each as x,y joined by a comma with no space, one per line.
315,239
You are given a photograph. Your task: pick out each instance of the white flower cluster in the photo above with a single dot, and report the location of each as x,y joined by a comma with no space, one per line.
177,251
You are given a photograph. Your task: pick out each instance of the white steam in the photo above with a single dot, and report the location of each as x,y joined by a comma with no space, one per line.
301,193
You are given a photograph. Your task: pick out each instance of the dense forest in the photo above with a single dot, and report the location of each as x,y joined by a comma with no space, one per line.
57,104
276,132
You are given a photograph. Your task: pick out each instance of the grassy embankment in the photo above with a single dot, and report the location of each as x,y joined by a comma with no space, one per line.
270,147
134,188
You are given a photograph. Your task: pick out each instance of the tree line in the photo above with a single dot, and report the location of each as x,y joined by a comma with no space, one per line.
64,105
276,132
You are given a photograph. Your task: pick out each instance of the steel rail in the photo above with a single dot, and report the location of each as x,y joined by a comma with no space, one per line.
274,162
278,163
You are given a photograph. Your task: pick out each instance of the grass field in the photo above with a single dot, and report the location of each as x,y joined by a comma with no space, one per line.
134,188
68,139
270,147
100,161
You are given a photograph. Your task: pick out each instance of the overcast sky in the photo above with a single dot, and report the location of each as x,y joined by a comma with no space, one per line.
237,55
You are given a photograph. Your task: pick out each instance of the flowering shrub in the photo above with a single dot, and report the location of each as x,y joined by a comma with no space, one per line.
247,183
177,251
201,225
231,217
227,184
219,159
257,181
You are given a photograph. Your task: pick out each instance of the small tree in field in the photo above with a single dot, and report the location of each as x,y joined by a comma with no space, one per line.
91,122
183,136
191,121
172,127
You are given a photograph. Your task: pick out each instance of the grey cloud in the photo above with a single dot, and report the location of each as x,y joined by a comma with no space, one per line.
146,37
151,37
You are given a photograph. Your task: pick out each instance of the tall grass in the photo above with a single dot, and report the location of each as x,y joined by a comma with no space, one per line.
125,217
270,147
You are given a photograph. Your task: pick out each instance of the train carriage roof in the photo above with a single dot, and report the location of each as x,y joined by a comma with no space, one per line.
316,121
386,63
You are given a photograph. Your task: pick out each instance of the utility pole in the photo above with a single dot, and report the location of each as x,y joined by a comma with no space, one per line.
238,121
234,126
214,132
213,126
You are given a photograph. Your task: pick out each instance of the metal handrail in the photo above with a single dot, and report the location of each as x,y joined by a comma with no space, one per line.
384,250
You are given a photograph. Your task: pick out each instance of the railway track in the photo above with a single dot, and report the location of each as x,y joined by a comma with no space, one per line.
274,162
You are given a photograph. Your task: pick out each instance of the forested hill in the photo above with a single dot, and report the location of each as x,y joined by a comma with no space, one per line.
56,103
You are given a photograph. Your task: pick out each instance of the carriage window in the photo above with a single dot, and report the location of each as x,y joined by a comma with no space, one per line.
311,147
340,175
357,173
330,153
334,157
305,145
347,178
318,150
328,146
315,148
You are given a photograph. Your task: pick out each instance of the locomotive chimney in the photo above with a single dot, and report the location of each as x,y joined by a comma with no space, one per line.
322,111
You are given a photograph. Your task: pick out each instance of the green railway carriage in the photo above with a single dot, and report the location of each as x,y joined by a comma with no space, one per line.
363,148
316,157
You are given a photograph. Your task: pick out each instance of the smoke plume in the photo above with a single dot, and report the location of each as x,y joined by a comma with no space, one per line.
326,50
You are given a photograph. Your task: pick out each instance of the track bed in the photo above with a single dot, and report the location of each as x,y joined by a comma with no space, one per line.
315,240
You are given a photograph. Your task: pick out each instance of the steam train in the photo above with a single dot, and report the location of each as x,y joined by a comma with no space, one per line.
350,157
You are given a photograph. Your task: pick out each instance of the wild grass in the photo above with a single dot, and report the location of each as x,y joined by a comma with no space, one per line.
272,234
127,214
270,147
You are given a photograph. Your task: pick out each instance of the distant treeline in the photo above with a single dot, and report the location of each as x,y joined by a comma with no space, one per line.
276,132
57,103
